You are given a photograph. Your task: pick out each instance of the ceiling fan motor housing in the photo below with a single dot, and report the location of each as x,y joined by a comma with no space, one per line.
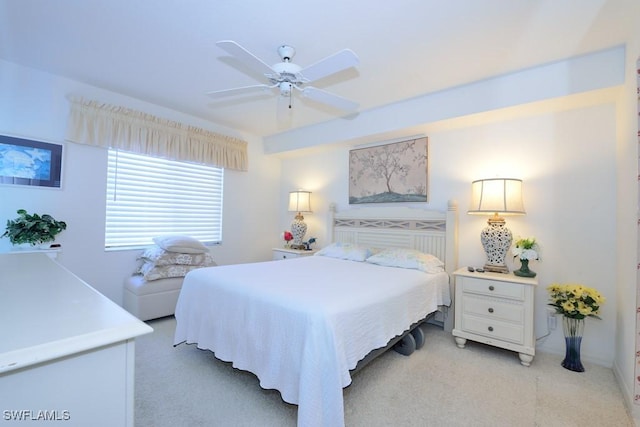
288,74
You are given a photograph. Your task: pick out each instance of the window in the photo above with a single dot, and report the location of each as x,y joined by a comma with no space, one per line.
149,196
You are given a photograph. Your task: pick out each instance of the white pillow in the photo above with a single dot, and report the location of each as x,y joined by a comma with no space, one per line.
182,244
347,251
407,258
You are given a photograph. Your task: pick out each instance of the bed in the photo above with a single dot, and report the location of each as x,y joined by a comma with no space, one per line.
303,325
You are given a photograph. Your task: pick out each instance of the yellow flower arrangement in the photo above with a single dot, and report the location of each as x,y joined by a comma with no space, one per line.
575,301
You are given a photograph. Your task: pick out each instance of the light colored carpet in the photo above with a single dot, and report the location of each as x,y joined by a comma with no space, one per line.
438,385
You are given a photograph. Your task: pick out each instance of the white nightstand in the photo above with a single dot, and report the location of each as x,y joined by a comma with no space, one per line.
284,253
496,309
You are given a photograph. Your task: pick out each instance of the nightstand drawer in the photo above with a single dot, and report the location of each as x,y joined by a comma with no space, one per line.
279,255
285,253
493,288
493,309
493,329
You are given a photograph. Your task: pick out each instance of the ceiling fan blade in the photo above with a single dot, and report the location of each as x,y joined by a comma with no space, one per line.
239,90
330,65
246,57
330,99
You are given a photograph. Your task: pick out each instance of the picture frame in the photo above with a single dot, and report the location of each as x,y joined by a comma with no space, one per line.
389,173
30,163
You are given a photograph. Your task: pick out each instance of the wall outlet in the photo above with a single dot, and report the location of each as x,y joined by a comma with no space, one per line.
552,321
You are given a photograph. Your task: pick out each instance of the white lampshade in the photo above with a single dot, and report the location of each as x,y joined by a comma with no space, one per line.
502,196
300,201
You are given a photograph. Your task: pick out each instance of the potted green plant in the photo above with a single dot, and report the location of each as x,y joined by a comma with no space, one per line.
33,229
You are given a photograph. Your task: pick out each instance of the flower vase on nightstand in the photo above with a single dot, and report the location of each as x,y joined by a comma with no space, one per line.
288,237
524,269
526,249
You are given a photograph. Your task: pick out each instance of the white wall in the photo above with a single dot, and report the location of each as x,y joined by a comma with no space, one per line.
567,161
33,105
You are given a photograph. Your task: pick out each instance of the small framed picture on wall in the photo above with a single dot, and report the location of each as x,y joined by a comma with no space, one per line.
30,163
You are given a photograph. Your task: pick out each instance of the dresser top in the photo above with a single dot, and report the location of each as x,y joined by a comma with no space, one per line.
47,312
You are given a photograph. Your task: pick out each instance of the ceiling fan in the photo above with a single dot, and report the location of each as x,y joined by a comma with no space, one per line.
286,77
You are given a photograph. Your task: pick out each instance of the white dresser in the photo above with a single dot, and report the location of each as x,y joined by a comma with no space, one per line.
284,253
67,351
495,309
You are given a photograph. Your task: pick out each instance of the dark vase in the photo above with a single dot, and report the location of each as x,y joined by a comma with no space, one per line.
524,269
573,329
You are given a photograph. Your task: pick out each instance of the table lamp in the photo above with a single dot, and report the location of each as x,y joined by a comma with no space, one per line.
496,196
299,201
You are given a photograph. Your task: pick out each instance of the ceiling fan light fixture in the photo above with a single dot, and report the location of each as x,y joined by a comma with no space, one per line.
285,89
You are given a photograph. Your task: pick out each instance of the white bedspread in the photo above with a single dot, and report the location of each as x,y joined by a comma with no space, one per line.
300,325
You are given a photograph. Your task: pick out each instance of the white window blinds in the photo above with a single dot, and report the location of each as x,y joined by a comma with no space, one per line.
148,197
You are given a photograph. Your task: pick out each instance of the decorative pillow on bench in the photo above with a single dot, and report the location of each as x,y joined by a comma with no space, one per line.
173,256
181,244
152,272
159,256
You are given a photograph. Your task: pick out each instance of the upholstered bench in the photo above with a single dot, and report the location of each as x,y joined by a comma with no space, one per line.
152,299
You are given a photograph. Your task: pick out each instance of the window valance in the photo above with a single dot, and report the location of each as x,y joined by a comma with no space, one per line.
108,126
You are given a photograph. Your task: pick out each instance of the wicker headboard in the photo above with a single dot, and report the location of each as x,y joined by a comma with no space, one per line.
433,232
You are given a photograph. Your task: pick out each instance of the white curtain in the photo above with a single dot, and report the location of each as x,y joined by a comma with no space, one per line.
108,126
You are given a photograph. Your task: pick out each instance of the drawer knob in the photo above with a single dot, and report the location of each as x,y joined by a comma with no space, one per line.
491,288
284,256
490,310
490,328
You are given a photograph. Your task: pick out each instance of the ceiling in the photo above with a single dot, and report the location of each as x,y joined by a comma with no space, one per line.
164,52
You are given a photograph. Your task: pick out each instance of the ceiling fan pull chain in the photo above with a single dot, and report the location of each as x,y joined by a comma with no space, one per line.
290,95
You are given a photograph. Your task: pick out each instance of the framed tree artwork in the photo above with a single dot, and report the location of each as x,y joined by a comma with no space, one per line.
389,173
